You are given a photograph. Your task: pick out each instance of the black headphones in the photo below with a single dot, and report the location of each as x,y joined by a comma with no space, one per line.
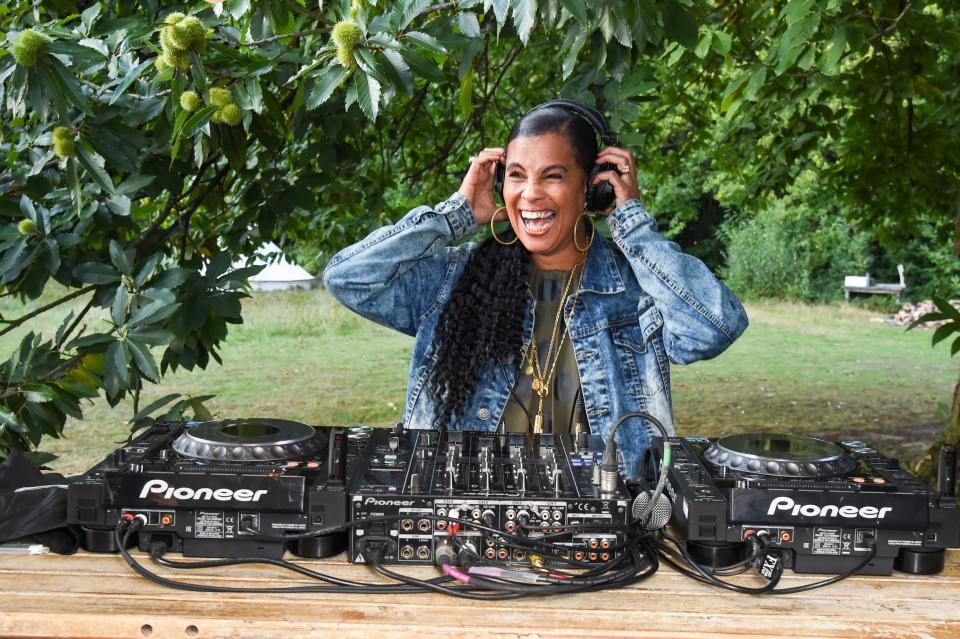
600,195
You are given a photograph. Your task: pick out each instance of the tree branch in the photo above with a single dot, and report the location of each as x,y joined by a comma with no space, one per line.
43,309
73,325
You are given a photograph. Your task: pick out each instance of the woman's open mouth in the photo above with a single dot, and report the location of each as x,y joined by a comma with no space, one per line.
537,222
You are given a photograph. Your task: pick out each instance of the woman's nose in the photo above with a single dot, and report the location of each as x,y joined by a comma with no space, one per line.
531,190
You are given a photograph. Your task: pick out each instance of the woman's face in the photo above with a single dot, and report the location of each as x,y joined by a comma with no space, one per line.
544,190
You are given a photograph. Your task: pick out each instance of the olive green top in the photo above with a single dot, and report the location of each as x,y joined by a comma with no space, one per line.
547,287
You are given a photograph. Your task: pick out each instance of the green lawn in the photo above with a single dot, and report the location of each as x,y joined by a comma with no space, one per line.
826,370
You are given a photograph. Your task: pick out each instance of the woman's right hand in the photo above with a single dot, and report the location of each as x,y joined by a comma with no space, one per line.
477,186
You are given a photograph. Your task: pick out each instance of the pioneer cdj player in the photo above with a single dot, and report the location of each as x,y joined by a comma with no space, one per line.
824,505
202,487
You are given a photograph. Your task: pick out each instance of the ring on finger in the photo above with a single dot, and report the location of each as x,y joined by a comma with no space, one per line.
473,159
624,168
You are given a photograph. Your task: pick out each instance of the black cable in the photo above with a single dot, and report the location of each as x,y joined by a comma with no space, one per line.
128,529
702,574
513,392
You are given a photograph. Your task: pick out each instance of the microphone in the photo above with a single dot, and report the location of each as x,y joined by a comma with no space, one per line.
659,513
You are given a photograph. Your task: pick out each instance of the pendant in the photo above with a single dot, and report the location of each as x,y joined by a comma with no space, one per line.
529,370
536,386
538,424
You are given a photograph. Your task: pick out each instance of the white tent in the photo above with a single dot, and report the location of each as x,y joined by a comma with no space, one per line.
279,274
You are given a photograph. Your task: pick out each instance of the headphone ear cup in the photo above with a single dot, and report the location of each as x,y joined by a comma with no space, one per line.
499,179
600,195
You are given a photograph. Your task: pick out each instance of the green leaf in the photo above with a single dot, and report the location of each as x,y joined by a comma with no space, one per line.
501,8
331,79
87,341
119,205
200,411
95,273
943,332
368,94
121,260
397,71
733,90
121,302
411,10
795,10
524,17
74,181
679,25
955,347
421,66
703,47
468,23
426,41
152,313
199,77
197,119
9,420
721,42
152,336
66,84
577,9
144,360
38,393
116,366
465,95
830,60
570,59
129,79
154,406
91,163
757,77
946,307
147,270
175,135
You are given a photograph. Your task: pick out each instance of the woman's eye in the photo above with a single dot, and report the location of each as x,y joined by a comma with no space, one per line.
516,174
555,176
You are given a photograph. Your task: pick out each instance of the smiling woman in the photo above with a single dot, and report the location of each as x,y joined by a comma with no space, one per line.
547,327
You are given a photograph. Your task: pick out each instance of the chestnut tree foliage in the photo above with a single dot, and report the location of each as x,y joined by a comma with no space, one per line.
148,145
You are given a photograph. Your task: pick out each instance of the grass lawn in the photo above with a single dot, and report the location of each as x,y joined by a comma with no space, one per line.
824,370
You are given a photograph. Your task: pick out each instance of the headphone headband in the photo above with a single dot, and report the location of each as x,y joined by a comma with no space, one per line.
587,112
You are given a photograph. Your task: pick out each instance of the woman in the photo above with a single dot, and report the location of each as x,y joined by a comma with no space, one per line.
549,325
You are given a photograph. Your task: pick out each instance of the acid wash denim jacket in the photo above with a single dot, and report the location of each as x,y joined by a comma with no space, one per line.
642,304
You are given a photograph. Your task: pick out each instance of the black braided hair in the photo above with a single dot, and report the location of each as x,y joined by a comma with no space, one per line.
483,319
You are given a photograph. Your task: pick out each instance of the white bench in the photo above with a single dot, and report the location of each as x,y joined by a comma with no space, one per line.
861,284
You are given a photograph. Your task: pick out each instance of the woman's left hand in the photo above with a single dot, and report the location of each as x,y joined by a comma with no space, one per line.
623,180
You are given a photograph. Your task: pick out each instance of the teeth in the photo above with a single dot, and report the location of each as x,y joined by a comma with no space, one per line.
537,215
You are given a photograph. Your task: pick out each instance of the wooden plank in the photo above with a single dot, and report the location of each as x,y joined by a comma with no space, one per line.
89,595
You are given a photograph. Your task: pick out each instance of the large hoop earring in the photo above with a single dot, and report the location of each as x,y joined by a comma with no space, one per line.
593,231
494,233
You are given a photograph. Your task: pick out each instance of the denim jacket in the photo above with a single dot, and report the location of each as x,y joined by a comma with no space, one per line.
642,304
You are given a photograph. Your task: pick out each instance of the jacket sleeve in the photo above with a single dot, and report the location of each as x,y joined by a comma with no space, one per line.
395,275
701,316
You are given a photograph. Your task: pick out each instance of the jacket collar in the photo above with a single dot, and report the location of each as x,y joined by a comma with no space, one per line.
601,274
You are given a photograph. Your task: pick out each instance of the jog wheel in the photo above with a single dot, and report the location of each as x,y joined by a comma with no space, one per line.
919,562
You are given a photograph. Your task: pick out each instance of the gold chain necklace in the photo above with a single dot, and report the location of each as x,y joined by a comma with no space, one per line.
541,378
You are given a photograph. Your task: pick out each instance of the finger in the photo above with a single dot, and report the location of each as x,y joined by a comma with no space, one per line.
615,179
622,161
618,156
617,149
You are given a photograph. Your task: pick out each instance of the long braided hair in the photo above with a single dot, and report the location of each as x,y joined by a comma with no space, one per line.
483,320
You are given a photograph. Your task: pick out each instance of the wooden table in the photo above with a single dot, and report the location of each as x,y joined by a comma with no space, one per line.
88,595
